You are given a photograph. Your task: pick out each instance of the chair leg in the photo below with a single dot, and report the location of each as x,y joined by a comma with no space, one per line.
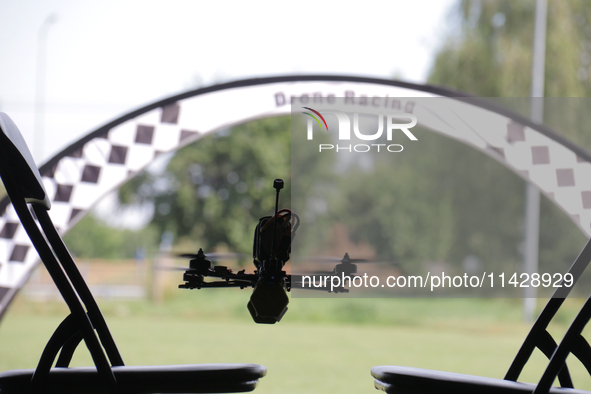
67,329
66,290
582,351
94,312
571,338
68,350
536,334
548,346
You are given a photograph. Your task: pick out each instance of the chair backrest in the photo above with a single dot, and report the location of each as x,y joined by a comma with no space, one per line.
24,186
18,166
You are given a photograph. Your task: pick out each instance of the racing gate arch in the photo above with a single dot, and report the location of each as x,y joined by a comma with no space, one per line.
79,176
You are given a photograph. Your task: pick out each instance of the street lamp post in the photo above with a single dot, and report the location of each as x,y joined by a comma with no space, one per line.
532,200
40,85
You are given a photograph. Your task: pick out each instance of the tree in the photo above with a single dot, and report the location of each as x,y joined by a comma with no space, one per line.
490,52
93,238
213,192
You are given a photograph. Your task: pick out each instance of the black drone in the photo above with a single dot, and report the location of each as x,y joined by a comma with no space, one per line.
271,250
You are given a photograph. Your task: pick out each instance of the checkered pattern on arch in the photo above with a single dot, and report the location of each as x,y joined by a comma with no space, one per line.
556,170
80,179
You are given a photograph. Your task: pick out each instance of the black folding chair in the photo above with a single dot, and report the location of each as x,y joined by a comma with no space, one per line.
85,322
396,379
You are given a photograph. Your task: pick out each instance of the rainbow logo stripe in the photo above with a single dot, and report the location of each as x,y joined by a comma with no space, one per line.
315,118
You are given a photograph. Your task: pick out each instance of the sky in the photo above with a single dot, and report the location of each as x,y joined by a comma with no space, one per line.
104,59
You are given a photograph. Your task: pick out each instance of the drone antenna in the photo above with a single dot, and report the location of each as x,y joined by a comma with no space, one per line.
277,185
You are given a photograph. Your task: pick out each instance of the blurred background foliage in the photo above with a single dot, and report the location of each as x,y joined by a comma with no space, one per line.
94,238
443,204
489,52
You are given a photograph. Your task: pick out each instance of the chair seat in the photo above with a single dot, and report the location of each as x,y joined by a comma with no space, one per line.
403,380
199,378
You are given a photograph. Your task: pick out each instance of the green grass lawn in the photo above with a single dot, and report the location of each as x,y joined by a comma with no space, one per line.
321,345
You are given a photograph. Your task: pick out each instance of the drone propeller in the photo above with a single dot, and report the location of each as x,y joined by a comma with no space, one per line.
215,256
331,259
171,268
315,273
